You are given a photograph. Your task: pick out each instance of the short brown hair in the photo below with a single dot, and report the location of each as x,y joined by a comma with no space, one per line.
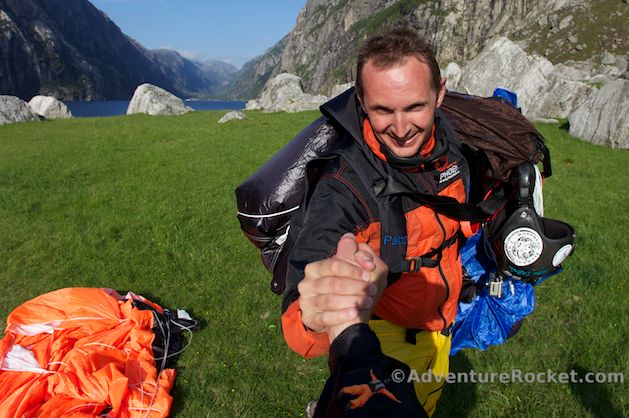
393,47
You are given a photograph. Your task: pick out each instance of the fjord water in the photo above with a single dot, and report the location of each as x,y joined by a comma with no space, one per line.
119,107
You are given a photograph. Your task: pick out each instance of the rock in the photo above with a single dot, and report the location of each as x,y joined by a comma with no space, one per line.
608,58
603,118
156,101
49,107
452,74
253,104
580,47
543,21
233,115
565,22
572,39
612,65
575,73
340,88
285,93
544,91
13,109
601,79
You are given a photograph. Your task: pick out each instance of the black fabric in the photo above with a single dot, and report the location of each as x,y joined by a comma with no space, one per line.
354,356
168,329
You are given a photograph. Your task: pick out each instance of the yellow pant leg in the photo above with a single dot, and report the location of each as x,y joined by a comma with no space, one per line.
431,351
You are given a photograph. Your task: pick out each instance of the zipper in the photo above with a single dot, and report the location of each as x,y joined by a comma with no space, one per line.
443,277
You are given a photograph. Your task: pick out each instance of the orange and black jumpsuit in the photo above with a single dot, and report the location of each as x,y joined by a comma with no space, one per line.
425,299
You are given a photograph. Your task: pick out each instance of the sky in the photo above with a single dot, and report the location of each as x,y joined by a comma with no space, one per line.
234,31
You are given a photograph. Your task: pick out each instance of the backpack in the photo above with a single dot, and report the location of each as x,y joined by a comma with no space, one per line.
494,137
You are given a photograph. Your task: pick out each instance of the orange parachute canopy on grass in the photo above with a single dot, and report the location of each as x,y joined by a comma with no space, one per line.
88,352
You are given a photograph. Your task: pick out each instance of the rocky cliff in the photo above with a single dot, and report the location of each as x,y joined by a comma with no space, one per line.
70,49
322,46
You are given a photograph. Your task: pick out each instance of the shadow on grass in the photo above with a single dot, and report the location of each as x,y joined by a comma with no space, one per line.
179,398
457,399
594,397
565,126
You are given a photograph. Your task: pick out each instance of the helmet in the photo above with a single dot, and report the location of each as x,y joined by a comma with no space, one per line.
525,244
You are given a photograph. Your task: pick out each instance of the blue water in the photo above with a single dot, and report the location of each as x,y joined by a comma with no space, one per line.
119,107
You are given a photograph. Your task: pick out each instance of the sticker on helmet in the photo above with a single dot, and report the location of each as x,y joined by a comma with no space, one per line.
562,254
523,246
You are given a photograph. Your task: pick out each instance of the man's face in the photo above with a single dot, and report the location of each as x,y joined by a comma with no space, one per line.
400,104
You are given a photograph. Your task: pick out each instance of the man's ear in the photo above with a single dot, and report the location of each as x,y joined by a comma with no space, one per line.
441,94
360,101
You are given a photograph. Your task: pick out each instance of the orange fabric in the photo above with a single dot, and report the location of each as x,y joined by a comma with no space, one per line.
368,234
364,392
306,343
96,355
374,144
469,228
413,300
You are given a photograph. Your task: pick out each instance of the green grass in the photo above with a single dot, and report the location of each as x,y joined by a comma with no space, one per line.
147,204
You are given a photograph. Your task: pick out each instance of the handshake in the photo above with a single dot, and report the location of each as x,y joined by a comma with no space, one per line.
342,290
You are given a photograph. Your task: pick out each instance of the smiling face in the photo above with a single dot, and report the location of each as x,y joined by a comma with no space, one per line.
400,103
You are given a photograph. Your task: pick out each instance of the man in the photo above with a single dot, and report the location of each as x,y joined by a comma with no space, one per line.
393,130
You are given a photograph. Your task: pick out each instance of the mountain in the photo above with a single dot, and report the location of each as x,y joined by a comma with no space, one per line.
254,74
322,46
70,49
192,77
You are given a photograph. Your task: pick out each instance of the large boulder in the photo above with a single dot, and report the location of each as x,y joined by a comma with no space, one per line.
49,107
233,115
603,118
285,93
13,109
452,73
156,101
543,90
341,88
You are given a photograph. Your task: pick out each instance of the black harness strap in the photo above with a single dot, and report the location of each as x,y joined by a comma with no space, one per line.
414,264
411,333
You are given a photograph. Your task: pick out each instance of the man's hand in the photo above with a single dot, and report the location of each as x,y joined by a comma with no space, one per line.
342,290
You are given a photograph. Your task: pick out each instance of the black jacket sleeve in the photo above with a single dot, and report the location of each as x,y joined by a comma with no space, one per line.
335,207
363,380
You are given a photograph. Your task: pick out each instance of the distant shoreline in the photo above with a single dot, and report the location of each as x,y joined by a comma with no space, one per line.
104,108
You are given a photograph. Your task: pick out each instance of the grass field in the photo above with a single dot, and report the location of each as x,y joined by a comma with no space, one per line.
147,204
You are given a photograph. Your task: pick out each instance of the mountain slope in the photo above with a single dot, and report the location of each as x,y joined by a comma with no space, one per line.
321,48
70,49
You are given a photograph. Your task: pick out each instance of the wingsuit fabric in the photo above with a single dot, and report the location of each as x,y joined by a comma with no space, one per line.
82,352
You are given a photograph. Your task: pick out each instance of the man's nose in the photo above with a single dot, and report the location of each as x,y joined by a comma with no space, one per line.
400,128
